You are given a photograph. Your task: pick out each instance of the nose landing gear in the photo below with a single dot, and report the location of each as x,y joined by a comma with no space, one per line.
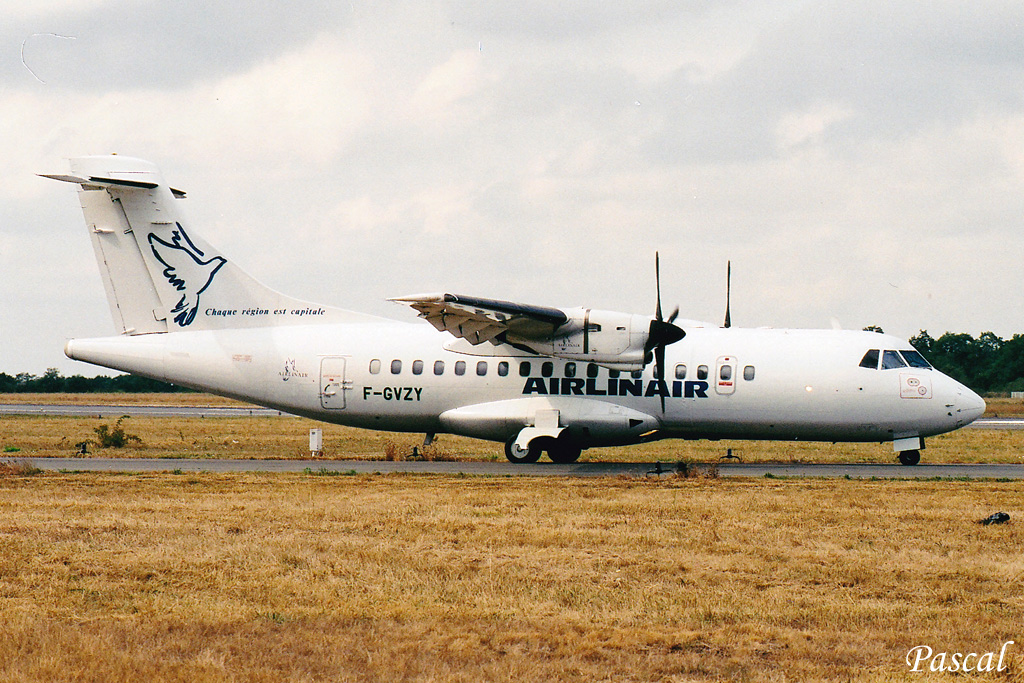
909,457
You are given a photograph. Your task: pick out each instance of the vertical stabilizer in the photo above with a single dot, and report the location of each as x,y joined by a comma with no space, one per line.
159,275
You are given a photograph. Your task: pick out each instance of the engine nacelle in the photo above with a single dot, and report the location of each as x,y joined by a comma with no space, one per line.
608,338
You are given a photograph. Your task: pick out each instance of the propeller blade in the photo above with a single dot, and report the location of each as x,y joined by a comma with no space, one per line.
728,292
659,371
657,283
661,333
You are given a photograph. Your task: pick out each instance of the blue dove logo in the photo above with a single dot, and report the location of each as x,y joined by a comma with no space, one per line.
185,270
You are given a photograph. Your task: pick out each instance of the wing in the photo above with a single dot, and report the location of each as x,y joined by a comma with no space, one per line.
486,320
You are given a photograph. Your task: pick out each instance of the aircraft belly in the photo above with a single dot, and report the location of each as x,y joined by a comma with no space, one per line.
590,422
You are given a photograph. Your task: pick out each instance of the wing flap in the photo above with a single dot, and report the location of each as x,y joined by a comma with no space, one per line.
479,320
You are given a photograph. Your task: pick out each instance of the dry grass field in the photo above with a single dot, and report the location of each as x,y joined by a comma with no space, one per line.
288,437
388,578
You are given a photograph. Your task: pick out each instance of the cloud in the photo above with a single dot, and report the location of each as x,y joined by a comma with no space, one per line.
830,150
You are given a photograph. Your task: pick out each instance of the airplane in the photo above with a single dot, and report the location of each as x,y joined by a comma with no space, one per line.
536,378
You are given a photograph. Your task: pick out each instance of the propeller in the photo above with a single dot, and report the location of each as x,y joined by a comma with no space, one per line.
662,332
728,292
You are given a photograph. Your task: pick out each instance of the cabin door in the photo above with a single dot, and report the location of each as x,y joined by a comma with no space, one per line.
725,375
332,383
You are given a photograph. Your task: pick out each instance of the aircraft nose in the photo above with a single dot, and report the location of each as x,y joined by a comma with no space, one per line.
969,406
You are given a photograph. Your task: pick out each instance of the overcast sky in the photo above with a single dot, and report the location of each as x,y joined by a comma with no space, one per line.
857,161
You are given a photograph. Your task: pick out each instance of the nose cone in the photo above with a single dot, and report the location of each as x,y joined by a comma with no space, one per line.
969,406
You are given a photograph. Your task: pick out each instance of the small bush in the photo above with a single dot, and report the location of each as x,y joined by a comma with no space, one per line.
436,453
392,451
18,469
115,437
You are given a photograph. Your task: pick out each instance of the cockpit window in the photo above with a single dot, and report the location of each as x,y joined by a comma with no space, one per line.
891,359
870,359
915,359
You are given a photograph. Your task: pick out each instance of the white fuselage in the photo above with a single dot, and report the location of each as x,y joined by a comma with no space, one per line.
779,384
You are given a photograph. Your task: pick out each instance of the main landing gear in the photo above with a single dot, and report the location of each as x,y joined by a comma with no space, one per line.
909,457
559,450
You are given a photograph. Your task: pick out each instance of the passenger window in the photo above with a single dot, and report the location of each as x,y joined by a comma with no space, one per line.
592,370
725,373
915,359
614,374
570,369
375,366
870,359
524,368
680,371
460,367
438,367
547,368
396,367
636,374
891,359
481,368
417,367
702,372
748,373
503,369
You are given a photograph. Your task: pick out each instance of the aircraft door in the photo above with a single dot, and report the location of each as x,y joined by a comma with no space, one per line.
725,375
332,383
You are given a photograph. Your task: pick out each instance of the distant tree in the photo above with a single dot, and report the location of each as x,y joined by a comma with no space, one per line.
923,342
874,328
1008,369
53,382
50,383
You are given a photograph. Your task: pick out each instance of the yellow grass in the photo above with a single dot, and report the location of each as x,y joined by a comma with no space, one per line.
288,438
291,577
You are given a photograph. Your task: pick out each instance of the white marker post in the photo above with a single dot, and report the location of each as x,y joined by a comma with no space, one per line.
316,442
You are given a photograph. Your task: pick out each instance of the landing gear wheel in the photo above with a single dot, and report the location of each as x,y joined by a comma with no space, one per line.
563,453
910,457
518,455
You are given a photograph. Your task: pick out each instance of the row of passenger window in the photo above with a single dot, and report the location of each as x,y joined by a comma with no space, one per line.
439,367
893,359
547,369
724,372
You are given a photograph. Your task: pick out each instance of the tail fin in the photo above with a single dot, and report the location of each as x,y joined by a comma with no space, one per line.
161,276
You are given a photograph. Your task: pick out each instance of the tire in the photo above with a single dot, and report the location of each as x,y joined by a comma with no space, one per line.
910,458
514,455
563,453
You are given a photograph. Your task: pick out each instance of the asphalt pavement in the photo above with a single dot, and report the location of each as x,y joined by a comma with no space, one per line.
507,469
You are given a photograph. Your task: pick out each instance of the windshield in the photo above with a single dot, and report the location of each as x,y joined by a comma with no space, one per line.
891,359
915,359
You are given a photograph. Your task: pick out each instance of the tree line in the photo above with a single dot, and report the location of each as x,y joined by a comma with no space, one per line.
987,364
52,382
